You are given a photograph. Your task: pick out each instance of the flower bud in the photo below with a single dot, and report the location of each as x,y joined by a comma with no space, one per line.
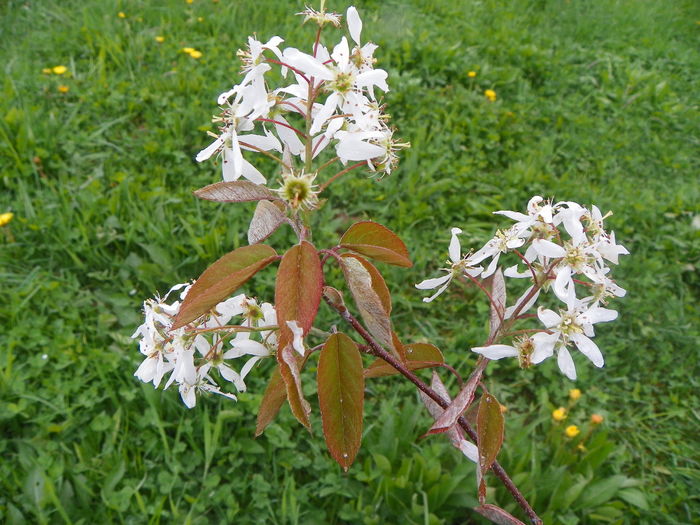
596,419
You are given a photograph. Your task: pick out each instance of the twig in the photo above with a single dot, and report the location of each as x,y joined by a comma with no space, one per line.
378,351
339,174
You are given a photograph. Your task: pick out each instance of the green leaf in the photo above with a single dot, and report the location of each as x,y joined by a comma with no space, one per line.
371,296
341,397
236,191
267,218
418,355
275,394
221,279
490,426
377,242
634,497
572,493
599,492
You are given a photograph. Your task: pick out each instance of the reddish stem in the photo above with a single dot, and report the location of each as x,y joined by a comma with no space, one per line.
326,164
532,270
338,175
301,73
297,108
264,152
273,121
318,39
378,351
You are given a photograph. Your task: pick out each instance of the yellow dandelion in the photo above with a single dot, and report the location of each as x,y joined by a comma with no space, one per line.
47,71
120,14
188,50
471,74
559,414
572,431
189,1
574,394
490,94
200,19
581,447
63,89
160,39
196,54
6,218
59,70
596,419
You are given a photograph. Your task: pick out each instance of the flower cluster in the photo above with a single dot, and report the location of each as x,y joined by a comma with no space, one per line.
191,353
331,99
568,251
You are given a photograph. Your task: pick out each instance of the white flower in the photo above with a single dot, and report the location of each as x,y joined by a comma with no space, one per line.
539,219
320,17
233,164
242,347
217,361
203,383
609,250
251,102
341,78
570,215
459,266
570,326
524,348
362,56
502,242
377,147
254,55
358,145
156,337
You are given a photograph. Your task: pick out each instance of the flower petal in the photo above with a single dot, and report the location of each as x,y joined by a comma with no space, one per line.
354,24
589,349
232,376
211,149
306,64
495,352
566,363
455,248
548,317
429,284
548,248
544,346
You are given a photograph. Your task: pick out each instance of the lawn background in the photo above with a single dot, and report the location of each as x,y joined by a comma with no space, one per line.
596,102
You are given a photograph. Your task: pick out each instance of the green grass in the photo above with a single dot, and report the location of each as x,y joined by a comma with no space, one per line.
596,103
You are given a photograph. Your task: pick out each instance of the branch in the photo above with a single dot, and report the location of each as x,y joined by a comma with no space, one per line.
339,174
378,351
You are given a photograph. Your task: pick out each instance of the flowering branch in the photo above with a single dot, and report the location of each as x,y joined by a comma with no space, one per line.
332,98
378,351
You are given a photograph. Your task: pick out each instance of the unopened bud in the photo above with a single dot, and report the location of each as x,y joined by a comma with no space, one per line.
596,419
